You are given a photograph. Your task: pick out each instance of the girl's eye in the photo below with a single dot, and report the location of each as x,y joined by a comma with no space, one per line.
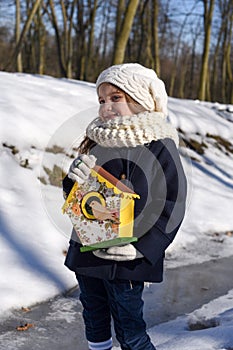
116,98
101,102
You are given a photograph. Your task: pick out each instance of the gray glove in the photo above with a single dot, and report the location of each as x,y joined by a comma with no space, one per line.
119,253
81,167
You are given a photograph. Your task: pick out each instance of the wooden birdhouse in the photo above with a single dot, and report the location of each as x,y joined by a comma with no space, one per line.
101,211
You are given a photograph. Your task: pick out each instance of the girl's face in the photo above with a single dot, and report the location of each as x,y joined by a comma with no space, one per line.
113,102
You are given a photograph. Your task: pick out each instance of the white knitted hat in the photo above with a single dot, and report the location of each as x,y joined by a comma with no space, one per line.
139,82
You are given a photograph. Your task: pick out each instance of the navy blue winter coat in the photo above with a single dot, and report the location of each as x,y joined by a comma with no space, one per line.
154,171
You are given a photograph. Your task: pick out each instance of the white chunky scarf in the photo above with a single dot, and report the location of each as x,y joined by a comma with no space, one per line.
131,131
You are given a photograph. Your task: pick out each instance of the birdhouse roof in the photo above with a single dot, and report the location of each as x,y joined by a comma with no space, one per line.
112,182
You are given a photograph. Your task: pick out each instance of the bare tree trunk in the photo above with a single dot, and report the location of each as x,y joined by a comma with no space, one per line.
69,51
119,20
208,93
149,56
214,73
177,52
81,41
121,42
36,41
193,81
226,63
183,73
221,82
67,37
41,43
19,66
156,36
104,32
142,31
208,14
229,66
23,34
89,57
61,58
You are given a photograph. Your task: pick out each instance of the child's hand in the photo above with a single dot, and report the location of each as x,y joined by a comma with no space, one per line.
81,167
119,253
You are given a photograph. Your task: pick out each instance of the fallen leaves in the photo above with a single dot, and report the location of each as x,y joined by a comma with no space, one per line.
64,252
25,327
229,233
220,236
25,309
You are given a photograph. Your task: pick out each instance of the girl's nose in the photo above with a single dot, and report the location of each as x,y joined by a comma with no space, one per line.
108,106
105,107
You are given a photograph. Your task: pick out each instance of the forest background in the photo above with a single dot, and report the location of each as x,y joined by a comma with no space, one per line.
188,43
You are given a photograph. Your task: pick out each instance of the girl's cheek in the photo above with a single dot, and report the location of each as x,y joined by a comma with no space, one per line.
101,109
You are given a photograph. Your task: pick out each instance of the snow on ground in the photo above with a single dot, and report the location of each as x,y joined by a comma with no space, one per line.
43,119
208,328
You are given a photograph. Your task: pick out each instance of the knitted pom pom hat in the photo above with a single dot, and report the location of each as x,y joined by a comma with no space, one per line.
139,82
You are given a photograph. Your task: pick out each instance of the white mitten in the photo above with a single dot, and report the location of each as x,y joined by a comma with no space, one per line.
119,253
81,167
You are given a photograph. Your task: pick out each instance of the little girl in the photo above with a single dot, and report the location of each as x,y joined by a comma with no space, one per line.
132,140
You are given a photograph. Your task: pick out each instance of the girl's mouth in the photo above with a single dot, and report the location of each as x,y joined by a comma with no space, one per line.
110,116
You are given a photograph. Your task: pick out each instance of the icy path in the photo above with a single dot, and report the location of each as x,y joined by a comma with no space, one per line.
58,325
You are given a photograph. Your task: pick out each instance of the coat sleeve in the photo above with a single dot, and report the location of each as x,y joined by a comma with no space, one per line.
67,185
165,212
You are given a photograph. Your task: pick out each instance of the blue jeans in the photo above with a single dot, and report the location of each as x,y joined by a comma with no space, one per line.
120,299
